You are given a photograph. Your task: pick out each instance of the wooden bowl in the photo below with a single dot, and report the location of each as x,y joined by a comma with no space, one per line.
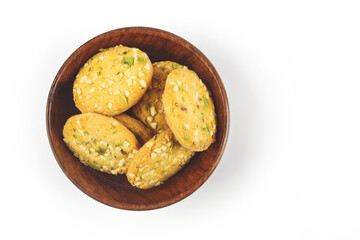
116,191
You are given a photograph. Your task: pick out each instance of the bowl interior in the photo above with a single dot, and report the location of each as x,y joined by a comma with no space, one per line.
115,190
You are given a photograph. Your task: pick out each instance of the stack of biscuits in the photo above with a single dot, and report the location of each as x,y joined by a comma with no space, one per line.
140,119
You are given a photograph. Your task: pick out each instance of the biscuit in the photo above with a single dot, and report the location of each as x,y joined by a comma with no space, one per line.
112,81
159,159
142,133
189,110
149,109
100,142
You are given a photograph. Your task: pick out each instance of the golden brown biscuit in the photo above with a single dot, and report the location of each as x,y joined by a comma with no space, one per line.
159,159
149,109
112,81
100,142
142,133
189,110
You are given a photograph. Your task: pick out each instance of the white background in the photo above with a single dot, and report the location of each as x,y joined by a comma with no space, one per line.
291,169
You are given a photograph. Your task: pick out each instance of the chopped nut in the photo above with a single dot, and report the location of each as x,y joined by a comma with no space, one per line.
142,83
128,72
147,174
116,92
110,105
78,91
163,148
103,85
126,144
176,88
172,83
127,93
150,144
153,125
110,82
141,74
153,155
179,82
152,111
149,119
157,150
128,81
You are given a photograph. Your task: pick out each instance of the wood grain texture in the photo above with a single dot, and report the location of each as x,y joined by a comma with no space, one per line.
116,191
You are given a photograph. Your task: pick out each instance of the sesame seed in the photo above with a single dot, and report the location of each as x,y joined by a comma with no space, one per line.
147,66
134,82
110,105
127,93
167,137
103,85
196,132
142,83
172,83
131,155
176,88
141,74
87,81
179,82
78,91
92,89
110,82
80,97
131,175
116,92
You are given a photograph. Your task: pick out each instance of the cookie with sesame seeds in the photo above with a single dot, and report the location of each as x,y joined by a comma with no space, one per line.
142,133
112,81
149,109
189,110
159,159
100,142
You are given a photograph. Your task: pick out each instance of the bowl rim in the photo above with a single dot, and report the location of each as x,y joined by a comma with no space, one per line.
169,36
